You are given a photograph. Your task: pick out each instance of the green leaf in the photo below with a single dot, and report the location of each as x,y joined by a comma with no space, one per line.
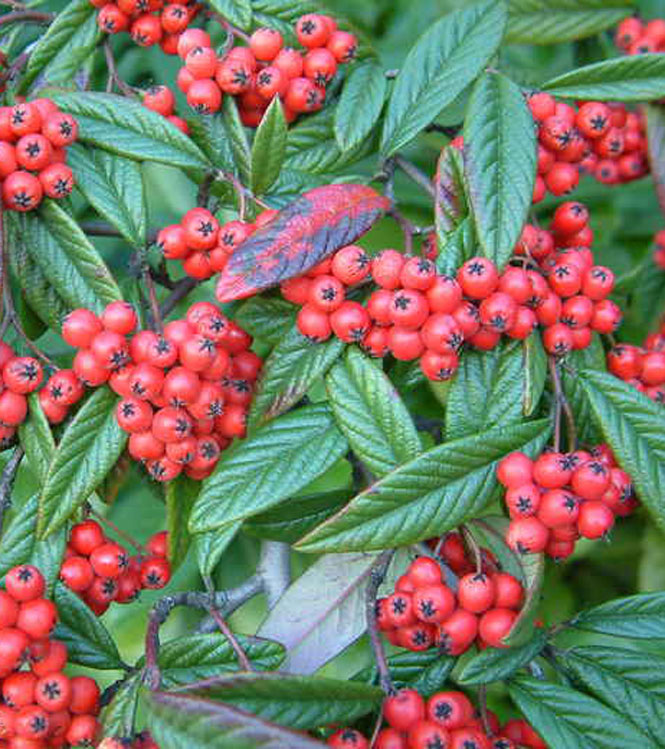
88,450
556,21
424,671
66,44
88,643
36,438
179,722
195,657
237,138
290,520
497,664
634,78
489,389
442,63
18,537
567,719
280,459
289,371
124,126
67,258
180,496
640,617
266,318
237,12
359,105
629,681
209,133
656,144
300,702
117,718
211,545
632,424
456,246
535,374
592,357
114,188
427,496
268,148
370,412
450,202
500,163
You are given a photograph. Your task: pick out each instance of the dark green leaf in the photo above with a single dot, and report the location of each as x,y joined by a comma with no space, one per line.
456,246
300,702
237,138
629,681
592,357
266,318
291,369
497,664
500,163
443,62
268,148
209,133
280,459
88,643
290,520
556,21
632,424
359,105
633,78
427,496
641,617
67,258
568,719
450,204
237,12
210,546
18,537
124,126
535,373
118,716
68,41
37,440
179,722
489,389
180,497
656,143
370,412
87,451
114,188
424,671
195,657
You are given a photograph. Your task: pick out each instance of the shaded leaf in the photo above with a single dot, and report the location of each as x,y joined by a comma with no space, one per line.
442,63
180,496
592,357
301,235
117,718
209,132
266,318
641,617
535,373
18,537
497,664
450,205
456,246
210,546
360,104
268,148
36,438
237,12
424,671
237,138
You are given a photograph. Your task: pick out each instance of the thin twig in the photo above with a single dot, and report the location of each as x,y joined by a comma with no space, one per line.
561,403
471,542
152,296
224,628
241,191
118,531
7,482
26,15
226,25
180,290
228,601
412,171
102,229
14,68
203,194
114,77
376,577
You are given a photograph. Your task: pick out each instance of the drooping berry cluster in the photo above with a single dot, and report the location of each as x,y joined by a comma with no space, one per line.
34,136
101,571
642,366
185,394
19,376
40,705
424,611
447,720
149,22
265,69
561,497
161,99
604,140
634,37
201,244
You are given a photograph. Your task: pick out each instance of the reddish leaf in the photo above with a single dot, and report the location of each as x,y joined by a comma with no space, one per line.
305,232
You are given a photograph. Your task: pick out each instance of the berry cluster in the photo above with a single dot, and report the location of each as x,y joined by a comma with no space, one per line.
659,251
185,393
265,69
561,497
149,22
447,720
101,571
161,99
634,37
40,705
643,367
201,244
33,140
19,376
424,612
62,391
603,139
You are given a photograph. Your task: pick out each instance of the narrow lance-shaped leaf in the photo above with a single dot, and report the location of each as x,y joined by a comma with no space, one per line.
118,716
267,319
535,373
371,414
497,664
633,78
237,12
360,104
180,496
641,617
428,495
500,163
280,459
305,232
237,138
450,204
269,148
425,671
442,63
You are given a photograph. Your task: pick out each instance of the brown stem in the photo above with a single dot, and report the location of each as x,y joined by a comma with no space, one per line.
561,403
102,229
180,290
118,531
114,77
7,481
471,542
407,229
14,68
224,628
26,15
230,29
412,171
376,577
241,191
152,296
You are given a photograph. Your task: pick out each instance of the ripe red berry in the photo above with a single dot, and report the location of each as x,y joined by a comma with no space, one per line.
33,152
155,572
53,692
343,45
18,689
25,583
22,374
77,573
313,323
350,321
85,537
478,277
303,96
476,592
509,591
119,317
85,695
558,508
386,269
515,470
22,191
326,293
312,31
595,519
109,560
37,618
450,709
591,480
494,625
527,535
433,604
439,367
350,265
458,632
204,96
404,709
320,66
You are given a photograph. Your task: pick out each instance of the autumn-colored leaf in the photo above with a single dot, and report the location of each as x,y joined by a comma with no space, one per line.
303,233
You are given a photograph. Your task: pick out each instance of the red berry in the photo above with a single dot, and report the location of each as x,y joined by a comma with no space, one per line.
25,583
312,31
478,277
109,560
433,604
77,573
37,618
515,470
458,632
350,265
494,625
476,592
509,591
343,45
450,709
85,537
527,535
402,710
350,321
595,519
